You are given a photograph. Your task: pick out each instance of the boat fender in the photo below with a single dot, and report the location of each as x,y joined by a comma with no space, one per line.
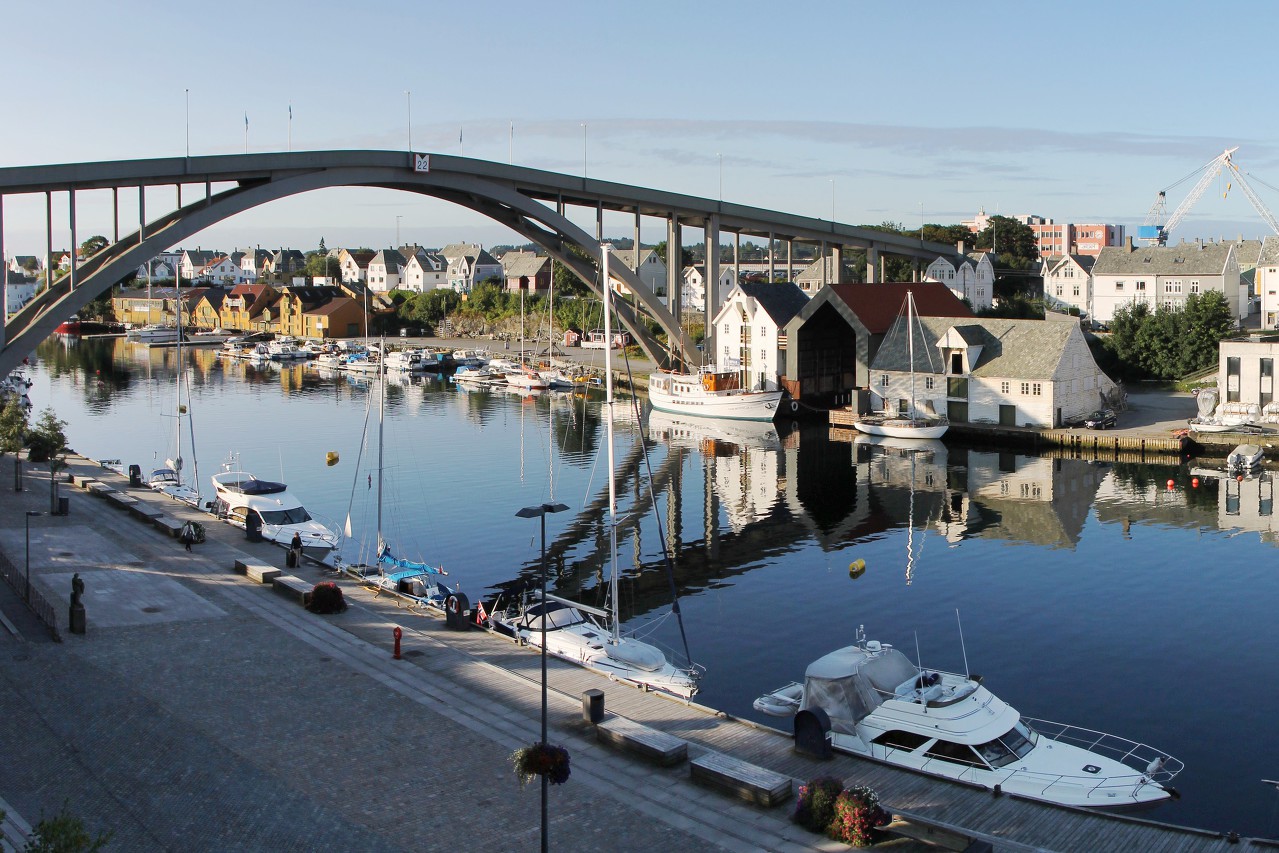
812,729
856,569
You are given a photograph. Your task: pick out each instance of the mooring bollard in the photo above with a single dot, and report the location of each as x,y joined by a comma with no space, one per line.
397,633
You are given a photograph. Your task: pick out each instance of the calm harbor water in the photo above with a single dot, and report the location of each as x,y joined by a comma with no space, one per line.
1090,592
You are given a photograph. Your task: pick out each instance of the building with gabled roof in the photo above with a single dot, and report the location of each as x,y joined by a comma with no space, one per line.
243,303
424,270
1068,282
970,276
832,340
750,332
469,265
1164,275
824,272
1036,373
385,270
528,271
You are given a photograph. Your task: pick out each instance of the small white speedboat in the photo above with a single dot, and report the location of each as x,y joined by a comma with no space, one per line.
1245,457
874,703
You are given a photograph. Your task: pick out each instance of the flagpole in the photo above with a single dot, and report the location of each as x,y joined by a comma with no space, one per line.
246,133
290,127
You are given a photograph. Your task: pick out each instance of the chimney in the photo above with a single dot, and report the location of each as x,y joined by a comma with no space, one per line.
959,247
1128,245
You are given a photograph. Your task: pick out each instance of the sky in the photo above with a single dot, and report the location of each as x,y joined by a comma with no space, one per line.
870,112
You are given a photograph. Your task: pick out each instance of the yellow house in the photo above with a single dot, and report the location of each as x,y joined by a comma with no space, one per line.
242,303
136,308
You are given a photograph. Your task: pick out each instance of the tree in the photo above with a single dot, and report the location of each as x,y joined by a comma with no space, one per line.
686,256
93,245
951,235
13,434
565,280
320,265
64,833
48,441
1012,241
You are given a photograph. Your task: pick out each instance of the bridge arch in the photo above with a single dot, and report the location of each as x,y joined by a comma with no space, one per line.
528,201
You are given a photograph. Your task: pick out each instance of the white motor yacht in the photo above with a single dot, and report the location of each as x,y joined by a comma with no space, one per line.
244,500
710,395
880,706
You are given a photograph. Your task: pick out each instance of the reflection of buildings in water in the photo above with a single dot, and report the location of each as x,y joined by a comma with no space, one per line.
1219,500
1032,499
1131,493
743,460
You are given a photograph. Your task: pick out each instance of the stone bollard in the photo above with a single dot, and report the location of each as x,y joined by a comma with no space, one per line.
593,706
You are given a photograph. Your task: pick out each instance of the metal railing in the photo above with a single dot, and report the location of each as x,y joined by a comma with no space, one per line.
40,606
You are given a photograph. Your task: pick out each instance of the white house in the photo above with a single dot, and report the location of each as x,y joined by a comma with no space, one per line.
1267,282
469,265
18,292
988,370
1164,275
652,270
822,272
693,289
1068,281
424,270
220,269
750,332
192,261
385,270
970,277
354,265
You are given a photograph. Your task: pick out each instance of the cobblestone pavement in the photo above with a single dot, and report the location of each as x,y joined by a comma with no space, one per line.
202,712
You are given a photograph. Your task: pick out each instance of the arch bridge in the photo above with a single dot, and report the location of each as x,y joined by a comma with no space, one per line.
531,202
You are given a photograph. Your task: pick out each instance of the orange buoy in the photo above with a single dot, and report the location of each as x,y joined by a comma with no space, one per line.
1194,482
1171,484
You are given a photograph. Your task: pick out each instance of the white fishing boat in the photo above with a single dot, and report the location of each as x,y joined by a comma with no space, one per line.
470,357
407,361
869,700
526,378
591,636
486,375
153,333
709,394
285,349
1245,457
913,422
245,501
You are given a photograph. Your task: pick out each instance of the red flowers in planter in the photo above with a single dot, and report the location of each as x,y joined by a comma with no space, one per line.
541,759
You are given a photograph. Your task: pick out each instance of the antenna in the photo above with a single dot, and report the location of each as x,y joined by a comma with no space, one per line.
918,660
961,642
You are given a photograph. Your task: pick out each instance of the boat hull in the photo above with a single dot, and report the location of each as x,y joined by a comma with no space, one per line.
902,428
739,406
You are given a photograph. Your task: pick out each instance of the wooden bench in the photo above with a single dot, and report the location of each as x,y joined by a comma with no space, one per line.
82,482
99,489
168,525
294,587
741,779
143,512
262,573
665,749
120,499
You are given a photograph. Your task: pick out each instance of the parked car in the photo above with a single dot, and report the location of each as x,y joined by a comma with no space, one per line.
1100,419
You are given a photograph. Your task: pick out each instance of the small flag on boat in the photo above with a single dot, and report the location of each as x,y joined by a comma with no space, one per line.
480,615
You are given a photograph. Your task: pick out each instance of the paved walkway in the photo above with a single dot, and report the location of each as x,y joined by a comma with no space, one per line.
203,712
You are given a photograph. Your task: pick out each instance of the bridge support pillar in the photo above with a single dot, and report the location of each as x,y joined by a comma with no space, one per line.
772,276
873,274
837,264
712,285
4,270
674,271
75,253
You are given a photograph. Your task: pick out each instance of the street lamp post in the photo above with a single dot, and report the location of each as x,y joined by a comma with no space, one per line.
583,150
30,514
540,511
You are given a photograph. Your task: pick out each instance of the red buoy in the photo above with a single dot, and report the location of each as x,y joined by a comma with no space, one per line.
1194,482
1171,484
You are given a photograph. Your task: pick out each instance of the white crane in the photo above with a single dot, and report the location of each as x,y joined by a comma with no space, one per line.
1155,230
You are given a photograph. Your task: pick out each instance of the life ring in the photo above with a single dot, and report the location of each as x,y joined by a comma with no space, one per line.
794,406
452,604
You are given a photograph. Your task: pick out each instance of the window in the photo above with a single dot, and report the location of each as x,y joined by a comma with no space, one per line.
1141,285
1119,287
956,753
1003,387
1035,389
1025,387
1014,744
726,328
1076,290
1194,287
1232,379
883,381
928,383
1172,287
908,741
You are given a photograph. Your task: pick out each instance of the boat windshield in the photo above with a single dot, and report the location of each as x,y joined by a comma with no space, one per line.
1010,746
297,515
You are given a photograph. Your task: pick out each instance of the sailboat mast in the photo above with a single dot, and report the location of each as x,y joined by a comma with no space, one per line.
605,248
381,418
177,460
910,347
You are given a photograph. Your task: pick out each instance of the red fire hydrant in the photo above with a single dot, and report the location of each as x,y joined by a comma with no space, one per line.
398,633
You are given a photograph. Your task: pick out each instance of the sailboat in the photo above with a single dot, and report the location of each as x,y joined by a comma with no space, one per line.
415,581
910,423
591,636
168,479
